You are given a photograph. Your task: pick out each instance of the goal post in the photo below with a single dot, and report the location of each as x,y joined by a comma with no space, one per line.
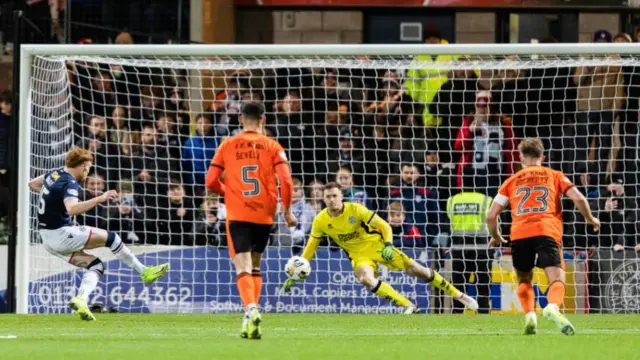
203,276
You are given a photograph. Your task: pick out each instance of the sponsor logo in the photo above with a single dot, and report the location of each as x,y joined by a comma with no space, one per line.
466,209
347,237
622,294
352,219
72,192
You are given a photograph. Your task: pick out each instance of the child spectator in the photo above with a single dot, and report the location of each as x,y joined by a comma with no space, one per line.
344,177
315,195
303,211
404,235
199,150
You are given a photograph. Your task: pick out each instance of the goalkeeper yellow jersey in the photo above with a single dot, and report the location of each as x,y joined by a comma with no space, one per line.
351,229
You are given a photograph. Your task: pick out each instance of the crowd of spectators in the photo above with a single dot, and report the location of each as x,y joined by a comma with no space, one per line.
399,142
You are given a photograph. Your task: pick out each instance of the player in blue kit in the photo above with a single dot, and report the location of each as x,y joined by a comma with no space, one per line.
58,202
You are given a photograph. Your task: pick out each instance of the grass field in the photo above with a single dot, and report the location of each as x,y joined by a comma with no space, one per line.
306,337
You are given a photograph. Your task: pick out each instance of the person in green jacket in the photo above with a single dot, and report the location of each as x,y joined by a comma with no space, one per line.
423,83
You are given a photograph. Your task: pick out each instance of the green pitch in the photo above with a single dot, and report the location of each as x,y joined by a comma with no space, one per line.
307,337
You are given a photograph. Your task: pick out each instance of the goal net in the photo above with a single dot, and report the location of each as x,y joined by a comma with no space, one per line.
402,129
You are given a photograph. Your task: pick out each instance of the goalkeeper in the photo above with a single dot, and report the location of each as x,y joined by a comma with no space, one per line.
367,240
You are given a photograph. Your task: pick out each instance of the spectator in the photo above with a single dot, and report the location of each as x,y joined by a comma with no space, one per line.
552,96
210,224
600,96
315,195
424,82
440,178
94,187
419,202
344,177
345,156
128,218
513,97
105,154
199,150
303,211
151,166
177,106
101,98
488,148
453,102
167,136
619,217
175,225
391,100
120,132
404,235
150,103
227,104
637,35
627,126
294,132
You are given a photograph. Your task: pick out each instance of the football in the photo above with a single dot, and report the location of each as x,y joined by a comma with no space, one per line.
298,268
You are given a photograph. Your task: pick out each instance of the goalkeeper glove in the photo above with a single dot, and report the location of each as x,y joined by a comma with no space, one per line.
288,284
387,252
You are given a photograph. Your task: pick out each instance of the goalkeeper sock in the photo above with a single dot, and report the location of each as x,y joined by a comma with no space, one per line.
385,291
90,279
439,282
555,295
246,288
122,252
257,283
526,296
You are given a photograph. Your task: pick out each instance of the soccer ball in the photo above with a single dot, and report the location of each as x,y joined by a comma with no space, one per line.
298,268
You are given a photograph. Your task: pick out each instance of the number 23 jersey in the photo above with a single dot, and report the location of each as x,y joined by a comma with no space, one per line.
249,160
534,194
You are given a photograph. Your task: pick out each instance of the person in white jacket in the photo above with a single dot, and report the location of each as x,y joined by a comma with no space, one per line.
303,211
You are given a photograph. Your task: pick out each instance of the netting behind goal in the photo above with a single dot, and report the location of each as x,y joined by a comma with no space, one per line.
401,134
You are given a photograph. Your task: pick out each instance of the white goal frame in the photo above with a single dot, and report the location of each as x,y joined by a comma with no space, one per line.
29,52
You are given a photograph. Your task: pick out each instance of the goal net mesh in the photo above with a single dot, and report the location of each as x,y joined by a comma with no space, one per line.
400,134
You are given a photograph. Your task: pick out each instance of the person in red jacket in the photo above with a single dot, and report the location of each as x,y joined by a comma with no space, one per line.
488,148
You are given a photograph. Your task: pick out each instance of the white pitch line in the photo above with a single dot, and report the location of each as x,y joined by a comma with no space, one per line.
326,333
8,337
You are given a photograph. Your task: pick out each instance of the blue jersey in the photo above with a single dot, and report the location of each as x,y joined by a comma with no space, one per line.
58,186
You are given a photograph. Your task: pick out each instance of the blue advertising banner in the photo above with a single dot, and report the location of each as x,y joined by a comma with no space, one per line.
202,280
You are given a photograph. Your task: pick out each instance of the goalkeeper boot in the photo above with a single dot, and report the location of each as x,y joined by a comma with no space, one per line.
469,302
551,312
153,273
411,309
79,305
253,328
530,323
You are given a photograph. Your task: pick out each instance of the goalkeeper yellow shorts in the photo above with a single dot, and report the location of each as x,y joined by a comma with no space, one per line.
372,258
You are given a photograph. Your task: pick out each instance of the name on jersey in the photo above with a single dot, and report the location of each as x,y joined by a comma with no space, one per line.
466,208
347,237
533,180
247,155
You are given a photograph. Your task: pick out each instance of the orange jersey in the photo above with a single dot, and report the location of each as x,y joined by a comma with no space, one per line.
534,194
249,160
